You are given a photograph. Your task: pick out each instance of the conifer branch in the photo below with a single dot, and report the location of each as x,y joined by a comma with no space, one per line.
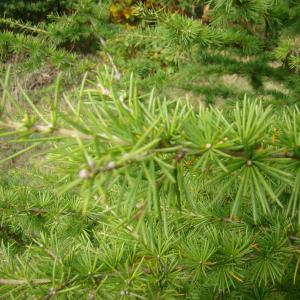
17,24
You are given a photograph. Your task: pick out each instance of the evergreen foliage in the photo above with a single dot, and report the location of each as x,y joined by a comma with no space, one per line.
124,193
149,221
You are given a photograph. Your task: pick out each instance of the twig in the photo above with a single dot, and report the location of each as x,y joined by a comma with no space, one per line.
64,132
24,281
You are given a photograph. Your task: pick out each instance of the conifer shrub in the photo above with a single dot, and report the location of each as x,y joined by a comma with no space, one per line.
162,33
142,196
157,198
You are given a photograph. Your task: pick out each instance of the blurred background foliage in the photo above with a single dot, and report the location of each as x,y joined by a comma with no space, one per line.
254,44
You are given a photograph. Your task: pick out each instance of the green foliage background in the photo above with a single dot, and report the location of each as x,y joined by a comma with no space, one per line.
112,189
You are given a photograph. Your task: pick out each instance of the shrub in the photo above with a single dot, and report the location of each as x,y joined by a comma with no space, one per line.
174,200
